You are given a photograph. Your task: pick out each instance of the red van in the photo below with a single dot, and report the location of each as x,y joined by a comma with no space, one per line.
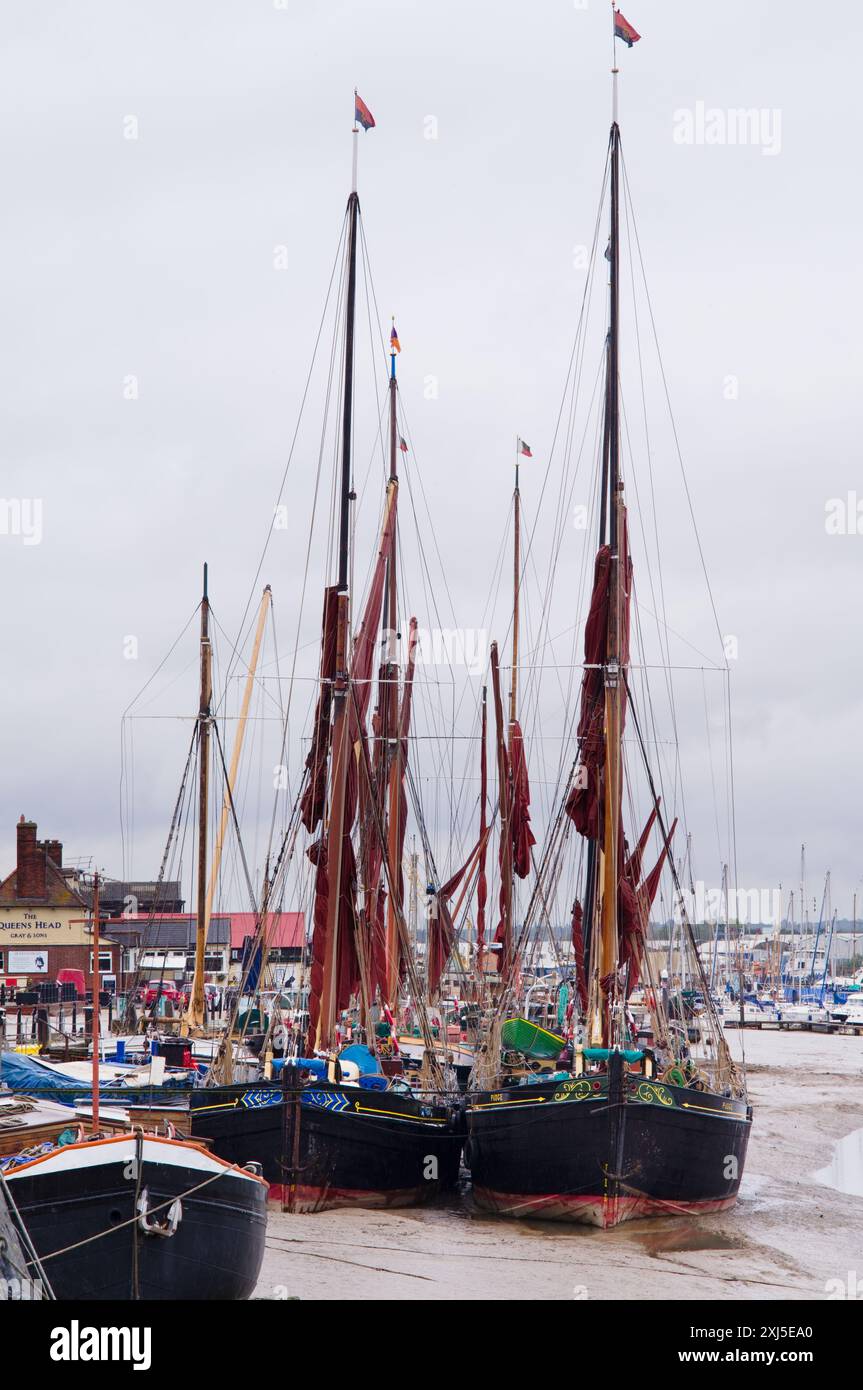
73,977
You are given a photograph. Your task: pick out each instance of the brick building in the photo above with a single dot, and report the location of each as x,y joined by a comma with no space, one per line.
44,920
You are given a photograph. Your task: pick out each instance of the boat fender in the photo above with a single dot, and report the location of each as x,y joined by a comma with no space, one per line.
152,1226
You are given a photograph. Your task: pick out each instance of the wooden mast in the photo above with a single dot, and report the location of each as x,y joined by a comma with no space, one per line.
516,584
340,740
195,1013
610,859
235,755
97,989
505,764
391,731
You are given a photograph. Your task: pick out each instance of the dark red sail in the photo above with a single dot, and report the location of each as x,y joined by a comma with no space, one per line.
346,964
578,953
522,835
315,794
582,805
482,882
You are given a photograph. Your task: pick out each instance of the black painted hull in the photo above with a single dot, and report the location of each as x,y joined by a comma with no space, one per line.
67,1197
572,1152
332,1146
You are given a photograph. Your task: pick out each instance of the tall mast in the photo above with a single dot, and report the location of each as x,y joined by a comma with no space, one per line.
340,749
97,990
236,754
195,1012
390,728
516,567
608,946
507,862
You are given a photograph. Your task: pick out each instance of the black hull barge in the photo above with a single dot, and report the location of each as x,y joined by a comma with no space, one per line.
330,1145
605,1148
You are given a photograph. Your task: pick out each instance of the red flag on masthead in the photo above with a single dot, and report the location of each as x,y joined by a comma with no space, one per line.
362,114
624,30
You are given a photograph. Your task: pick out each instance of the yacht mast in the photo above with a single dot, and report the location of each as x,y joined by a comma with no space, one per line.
194,1018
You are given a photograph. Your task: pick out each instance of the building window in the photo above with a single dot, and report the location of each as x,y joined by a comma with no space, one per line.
105,962
214,964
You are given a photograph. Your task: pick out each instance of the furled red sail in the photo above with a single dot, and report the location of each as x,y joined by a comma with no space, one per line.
633,863
441,931
482,882
582,804
315,794
585,801
397,886
346,965
365,642
371,791
578,952
503,934
522,835
634,904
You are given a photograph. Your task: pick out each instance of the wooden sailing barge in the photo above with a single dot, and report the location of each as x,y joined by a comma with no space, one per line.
371,1140
614,1130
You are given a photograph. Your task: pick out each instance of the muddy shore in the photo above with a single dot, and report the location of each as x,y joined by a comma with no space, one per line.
789,1236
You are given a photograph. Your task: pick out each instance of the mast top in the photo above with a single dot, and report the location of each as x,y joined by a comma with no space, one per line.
623,30
362,117
205,579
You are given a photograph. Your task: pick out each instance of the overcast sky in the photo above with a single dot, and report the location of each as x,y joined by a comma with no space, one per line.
174,179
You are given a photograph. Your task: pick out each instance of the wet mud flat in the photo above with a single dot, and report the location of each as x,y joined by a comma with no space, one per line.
796,1232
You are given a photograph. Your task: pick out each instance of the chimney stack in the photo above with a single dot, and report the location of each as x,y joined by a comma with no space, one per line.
30,881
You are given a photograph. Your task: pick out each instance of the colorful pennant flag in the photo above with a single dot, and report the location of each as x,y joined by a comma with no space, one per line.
395,345
403,444
362,114
624,30
524,449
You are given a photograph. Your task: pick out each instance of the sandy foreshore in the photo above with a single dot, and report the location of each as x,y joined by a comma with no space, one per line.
787,1238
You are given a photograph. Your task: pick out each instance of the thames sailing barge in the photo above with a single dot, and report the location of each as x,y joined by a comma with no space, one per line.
610,1129
339,1127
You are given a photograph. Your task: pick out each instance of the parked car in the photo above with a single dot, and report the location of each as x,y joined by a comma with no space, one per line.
160,989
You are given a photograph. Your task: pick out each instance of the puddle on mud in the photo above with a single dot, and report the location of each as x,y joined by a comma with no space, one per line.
844,1172
672,1240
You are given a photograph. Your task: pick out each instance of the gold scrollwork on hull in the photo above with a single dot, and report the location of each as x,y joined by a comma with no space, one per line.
653,1094
573,1090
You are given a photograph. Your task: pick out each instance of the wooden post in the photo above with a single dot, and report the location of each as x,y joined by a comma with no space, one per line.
96,993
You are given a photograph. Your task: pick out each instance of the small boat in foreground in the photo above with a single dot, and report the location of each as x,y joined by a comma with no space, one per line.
139,1216
131,1215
